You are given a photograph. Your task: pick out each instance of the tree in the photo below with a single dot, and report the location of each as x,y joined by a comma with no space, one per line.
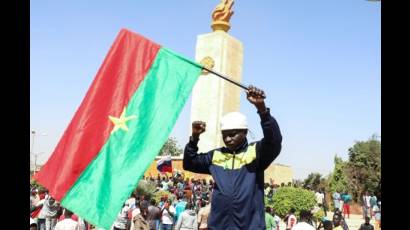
338,180
171,148
364,167
313,181
286,198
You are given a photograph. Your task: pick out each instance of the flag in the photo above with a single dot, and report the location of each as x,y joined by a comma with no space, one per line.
165,164
120,126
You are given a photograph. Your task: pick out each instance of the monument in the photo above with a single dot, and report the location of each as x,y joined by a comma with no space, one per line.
212,97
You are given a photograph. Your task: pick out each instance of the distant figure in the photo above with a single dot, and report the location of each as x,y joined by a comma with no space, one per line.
325,207
203,215
326,225
290,219
346,204
121,223
67,223
343,223
366,225
304,220
366,205
188,219
153,215
377,215
373,203
269,220
168,213
336,200
276,218
140,221
337,222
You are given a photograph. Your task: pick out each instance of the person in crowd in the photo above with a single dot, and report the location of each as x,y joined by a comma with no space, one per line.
121,223
188,219
153,215
336,200
167,215
290,219
366,204
140,221
346,204
337,218
373,202
203,215
269,221
366,225
304,221
67,223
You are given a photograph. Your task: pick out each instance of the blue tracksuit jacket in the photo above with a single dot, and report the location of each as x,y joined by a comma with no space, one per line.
238,197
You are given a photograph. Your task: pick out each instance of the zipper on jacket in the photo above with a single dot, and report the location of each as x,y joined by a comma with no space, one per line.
233,160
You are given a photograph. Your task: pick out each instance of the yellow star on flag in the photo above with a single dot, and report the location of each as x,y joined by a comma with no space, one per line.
121,122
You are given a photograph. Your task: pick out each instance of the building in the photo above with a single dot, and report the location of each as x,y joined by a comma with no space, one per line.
277,173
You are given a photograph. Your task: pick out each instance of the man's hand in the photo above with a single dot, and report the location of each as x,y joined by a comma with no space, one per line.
256,96
198,127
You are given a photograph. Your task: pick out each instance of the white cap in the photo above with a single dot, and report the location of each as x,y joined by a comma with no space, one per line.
234,120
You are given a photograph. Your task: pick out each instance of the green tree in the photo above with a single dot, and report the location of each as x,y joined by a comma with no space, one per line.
170,148
364,167
286,198
312,181
338,180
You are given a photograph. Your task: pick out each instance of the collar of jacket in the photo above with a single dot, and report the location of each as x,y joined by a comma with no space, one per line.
240,149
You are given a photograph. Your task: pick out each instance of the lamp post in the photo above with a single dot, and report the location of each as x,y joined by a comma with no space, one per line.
34,134
35,160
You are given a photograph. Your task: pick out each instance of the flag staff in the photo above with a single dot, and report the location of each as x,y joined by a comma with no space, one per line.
207,64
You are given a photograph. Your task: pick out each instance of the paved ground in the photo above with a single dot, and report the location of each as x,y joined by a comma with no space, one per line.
353,222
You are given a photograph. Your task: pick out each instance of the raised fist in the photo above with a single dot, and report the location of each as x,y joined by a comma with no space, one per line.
198,127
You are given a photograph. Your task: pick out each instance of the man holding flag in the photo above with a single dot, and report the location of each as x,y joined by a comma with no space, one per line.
238,168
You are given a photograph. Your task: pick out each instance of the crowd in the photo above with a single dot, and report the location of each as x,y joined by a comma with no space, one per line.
189,206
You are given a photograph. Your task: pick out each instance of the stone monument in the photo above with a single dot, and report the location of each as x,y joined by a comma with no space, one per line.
212,97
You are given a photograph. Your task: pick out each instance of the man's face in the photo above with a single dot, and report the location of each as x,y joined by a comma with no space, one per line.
234,138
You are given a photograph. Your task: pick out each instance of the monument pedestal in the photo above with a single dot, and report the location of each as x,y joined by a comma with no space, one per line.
213,97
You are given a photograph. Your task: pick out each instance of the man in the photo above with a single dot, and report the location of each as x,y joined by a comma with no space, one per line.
49,212
319,198
291,219
366,225
203,215
140,221
346,204
324,202
68,223
269,220
168,213
304,221
336,200
179,207
33,224
188,219
276,218
337,218
366,205
373,203
121,222
238,168
153,215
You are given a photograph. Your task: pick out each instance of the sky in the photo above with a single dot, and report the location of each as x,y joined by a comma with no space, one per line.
319,63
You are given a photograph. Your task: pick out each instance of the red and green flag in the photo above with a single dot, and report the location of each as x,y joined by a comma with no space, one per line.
126,116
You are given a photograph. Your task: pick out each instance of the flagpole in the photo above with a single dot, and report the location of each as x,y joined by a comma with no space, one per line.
226,78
